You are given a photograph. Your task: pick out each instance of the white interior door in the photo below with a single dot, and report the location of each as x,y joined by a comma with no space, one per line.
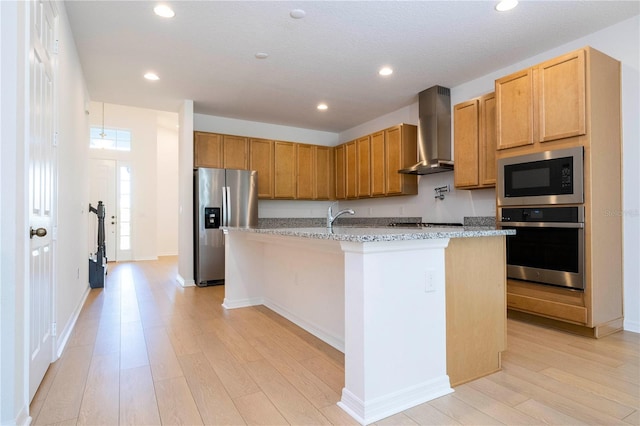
42,189
103,187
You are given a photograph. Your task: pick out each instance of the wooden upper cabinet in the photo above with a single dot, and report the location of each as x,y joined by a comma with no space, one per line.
207,150
324,187
474,123
363,148
351,170
340,172
378,169
235,152
514,98
305,171
401,151
562,97
261,159
488,140
466,143
285,170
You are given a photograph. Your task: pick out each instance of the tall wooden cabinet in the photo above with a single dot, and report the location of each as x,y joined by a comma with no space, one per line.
576,100
378,166
474,143
363,155
401,151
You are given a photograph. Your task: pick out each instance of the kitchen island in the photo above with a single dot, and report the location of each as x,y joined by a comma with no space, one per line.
403,305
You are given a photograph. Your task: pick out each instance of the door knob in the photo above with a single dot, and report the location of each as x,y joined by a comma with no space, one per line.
40,232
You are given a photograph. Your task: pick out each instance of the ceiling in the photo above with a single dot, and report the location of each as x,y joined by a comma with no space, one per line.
332,55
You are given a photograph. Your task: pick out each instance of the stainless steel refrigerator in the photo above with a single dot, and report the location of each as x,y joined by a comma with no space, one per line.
222,197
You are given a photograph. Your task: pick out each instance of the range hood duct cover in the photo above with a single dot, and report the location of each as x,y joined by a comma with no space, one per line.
434,132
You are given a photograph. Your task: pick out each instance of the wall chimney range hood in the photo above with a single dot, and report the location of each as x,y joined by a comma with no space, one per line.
434,132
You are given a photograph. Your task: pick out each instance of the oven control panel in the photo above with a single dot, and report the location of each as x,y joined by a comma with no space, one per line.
542,214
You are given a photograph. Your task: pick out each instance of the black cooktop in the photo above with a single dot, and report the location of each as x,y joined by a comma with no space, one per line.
424,224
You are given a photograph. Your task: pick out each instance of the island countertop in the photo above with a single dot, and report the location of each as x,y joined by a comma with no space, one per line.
379,234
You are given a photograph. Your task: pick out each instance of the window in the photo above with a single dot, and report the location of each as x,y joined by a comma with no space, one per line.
113,139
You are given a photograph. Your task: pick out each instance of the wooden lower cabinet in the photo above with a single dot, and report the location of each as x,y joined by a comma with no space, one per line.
475,276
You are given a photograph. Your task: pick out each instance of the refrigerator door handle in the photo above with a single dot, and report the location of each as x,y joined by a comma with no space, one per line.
228,194
224,206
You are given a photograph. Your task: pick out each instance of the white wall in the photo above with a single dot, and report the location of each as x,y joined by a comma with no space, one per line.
70,245
13,393
73,186
148,144
167,188
185,195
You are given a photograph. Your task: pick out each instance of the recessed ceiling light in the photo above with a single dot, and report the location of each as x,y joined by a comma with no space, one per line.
322,107
385,71
151,76
261,55
505,5
164,11
297,13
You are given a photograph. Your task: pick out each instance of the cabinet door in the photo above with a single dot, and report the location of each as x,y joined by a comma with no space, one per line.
324,173
378,169
235,150
363,146
261,160
284,169
207,150
351,170
488,140
562,97
514,100
466,143
400,152
341,176
305,171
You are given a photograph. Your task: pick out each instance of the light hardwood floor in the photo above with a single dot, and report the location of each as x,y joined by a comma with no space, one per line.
146,351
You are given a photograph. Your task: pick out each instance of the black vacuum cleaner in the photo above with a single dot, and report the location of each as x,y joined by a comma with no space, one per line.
98,262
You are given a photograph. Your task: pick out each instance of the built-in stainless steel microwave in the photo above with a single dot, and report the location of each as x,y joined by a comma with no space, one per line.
544,178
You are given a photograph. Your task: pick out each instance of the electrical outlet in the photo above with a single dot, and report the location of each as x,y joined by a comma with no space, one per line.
430,284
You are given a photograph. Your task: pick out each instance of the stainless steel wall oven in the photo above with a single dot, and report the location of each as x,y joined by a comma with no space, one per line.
548,247
541,196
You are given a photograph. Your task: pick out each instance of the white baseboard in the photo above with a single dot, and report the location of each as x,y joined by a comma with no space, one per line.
633,326
322,334
23,418
393,403
63,337
241,303
185,283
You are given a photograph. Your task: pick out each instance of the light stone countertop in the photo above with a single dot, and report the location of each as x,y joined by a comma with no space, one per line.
378,234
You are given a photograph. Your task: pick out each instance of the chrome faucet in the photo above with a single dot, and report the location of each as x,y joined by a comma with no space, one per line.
331,218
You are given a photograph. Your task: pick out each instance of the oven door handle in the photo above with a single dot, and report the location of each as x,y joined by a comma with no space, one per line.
543,224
